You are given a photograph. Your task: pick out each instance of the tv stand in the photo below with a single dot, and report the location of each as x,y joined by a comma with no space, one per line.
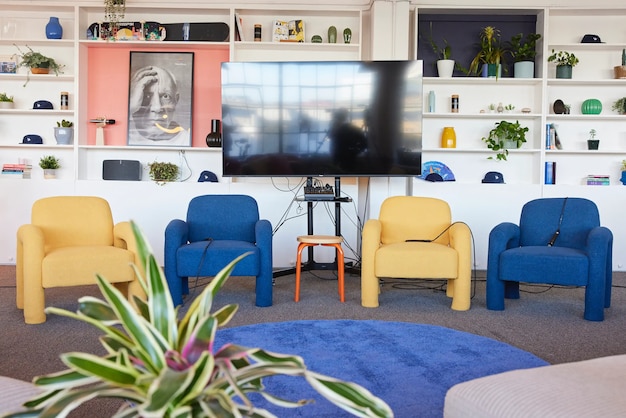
311,264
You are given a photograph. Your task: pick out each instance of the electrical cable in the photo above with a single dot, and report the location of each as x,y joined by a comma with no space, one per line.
197,277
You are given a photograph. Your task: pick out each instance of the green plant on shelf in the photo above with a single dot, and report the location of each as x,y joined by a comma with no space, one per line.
6,98
620,105
162,173
505,135
561,58
49,162
523,49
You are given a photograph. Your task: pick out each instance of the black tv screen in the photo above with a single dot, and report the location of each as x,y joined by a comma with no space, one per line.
309,119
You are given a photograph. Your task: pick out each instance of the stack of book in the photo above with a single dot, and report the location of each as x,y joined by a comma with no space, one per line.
14,169
598,180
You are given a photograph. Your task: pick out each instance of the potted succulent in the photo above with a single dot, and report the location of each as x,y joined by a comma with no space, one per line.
620,70
506,135
523,51
564,61
50,164
491,53
592,142
37,63
6,101
162,173
64,132
620,106
445,63
168,367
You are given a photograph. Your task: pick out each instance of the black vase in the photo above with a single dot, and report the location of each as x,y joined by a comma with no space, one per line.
214,138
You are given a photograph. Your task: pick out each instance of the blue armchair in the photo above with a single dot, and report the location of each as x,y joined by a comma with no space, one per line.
580,254
218,229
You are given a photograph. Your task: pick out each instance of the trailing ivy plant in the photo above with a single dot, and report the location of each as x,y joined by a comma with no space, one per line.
169,367
163,173
505,132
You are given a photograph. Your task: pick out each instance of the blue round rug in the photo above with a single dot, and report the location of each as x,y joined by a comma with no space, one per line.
409,366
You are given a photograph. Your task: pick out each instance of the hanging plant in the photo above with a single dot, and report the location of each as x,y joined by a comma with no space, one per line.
114,11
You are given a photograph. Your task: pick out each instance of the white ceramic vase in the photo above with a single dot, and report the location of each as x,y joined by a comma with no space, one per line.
445,68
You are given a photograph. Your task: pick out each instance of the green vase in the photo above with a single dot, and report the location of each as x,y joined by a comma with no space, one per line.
332,35
591,107
347,35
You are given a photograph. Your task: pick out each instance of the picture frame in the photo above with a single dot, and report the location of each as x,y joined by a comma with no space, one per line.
8,64
160,98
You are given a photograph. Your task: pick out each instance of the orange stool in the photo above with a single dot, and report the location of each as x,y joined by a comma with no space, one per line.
328,241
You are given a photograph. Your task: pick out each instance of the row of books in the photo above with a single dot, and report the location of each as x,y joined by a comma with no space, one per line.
598,180
552,137
591,179
21,170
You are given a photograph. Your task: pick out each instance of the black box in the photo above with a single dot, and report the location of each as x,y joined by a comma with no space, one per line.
121,170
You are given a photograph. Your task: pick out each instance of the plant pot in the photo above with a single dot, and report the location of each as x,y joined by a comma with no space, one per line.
620,71
563,71
492,70
593,144
510,144
6,105
524,69
39,70
49,173
64,136
623,178
445,68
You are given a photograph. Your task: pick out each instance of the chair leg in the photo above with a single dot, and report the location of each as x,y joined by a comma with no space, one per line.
298,270
341,273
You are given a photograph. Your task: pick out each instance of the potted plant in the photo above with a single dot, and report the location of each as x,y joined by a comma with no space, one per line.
592,142
6,101
491,53
50,164
620,106
623,177
506,135
564,61
523,51
37,63
164,366
64,132
163,173
620,70
445,63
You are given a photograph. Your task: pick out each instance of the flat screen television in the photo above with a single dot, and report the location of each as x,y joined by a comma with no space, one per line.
322,118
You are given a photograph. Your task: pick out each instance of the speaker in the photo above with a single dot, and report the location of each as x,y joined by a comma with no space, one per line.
121,170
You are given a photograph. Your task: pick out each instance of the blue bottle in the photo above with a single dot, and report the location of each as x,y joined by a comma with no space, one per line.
54,29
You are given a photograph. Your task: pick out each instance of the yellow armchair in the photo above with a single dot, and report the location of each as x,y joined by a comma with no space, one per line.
398,244
71,239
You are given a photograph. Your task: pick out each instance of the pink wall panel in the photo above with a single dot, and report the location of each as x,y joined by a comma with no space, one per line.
107,85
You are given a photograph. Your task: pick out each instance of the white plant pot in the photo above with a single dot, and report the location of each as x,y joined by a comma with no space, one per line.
445,68
49,173
524,69
6,105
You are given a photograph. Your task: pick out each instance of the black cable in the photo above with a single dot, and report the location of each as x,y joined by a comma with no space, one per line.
206,247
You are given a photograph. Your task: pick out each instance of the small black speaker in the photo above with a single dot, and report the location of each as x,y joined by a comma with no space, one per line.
121,170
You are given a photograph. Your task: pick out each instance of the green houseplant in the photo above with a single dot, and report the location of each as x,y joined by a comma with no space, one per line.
49,164
504,136
491,53
6,101
620,70
163,173
620,106
37,63
445,63
564,61
523,51
168,367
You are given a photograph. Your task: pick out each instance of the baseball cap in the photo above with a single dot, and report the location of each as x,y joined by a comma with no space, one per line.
591,39
493,177
207,176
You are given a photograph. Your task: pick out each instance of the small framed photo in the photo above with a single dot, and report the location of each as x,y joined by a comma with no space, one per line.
8,64
160,98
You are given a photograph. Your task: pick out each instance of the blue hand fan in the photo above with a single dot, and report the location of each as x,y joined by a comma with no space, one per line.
437,167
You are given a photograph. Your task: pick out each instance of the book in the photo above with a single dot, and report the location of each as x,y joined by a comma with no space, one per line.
288,31
557,141
550,172
239,28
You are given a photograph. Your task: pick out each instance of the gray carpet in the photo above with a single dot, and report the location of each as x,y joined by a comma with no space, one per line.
546,321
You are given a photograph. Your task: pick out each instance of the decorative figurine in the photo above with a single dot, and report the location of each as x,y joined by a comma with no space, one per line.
332,35
347,35
316,39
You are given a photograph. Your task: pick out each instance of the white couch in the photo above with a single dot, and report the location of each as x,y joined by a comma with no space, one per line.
590,388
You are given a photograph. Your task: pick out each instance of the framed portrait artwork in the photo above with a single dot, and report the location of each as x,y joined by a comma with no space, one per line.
160,97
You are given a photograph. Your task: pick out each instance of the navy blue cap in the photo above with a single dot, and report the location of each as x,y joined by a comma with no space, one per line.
493,177
207,176
42,104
